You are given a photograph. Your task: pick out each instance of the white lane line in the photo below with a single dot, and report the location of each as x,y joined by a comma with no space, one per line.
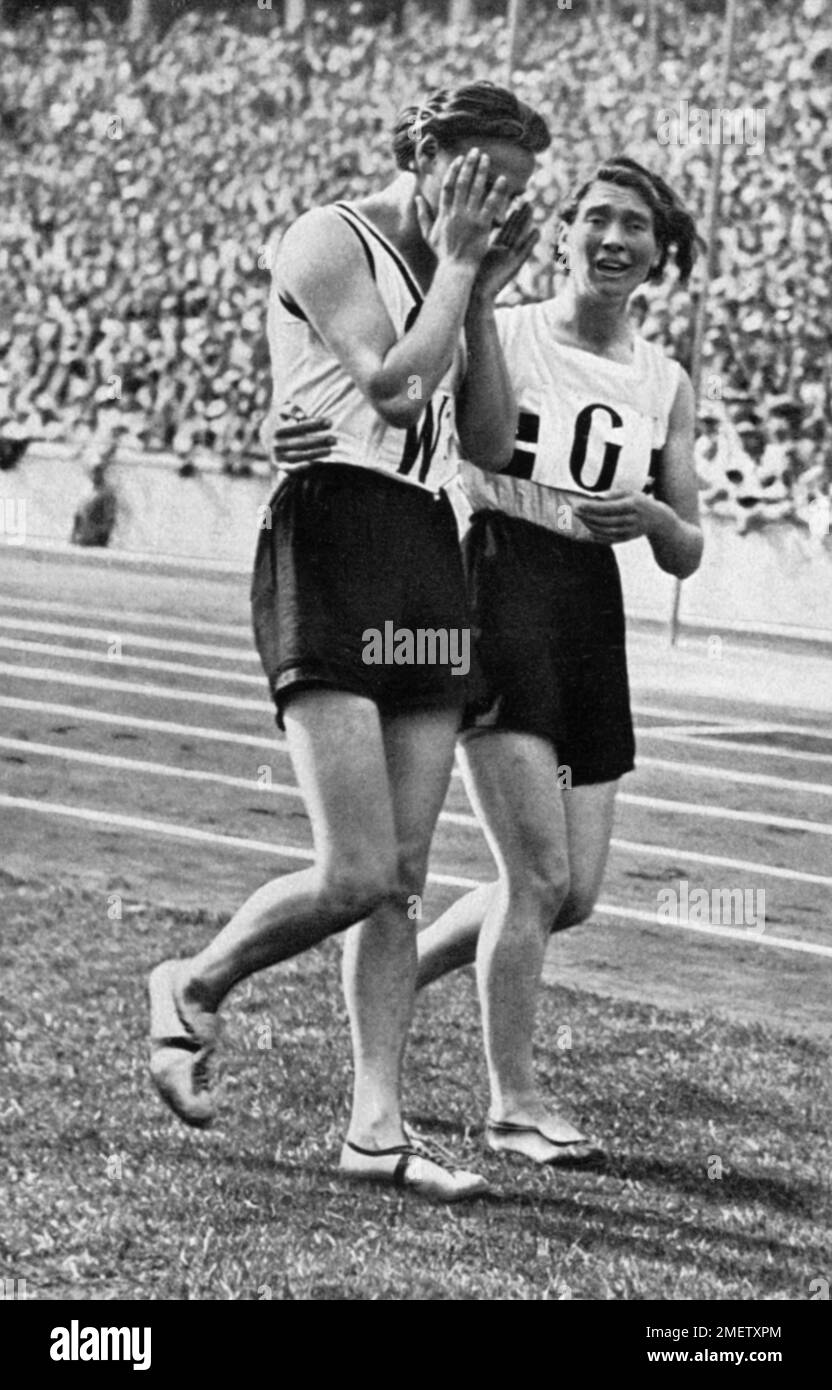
279,747
692,808
75,610
731,774
145,663
734,933
689,731
112,819
717,861
107,635
730,723
46,674
28,605
156,692
693,740
135,765
720,774
198,697
652,803
166,726
187,832
460,818
159,726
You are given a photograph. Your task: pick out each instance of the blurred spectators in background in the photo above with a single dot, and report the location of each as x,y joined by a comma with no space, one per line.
141,190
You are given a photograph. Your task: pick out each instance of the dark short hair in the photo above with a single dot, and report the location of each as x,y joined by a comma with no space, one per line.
480,110
673,225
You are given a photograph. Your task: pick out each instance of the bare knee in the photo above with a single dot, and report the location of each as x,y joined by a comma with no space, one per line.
577,906
409,886
538,894
353,888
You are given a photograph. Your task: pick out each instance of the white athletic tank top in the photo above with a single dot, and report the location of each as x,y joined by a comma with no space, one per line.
308,374
586,424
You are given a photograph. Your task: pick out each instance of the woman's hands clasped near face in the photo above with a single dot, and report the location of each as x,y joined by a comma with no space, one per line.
473,224
471,204
507,254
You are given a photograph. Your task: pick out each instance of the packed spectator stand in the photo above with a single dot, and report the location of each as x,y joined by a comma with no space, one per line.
143,187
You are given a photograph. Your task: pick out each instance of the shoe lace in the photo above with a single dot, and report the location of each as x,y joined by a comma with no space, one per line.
429,1148
201,1070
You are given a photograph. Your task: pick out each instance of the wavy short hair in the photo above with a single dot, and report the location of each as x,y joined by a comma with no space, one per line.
480,110
673,226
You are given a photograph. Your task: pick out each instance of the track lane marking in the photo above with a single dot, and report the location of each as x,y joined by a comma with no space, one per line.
46,674
122,764
731,774
235,702
137,639
460,818
134,721
716,773
735,933
693,740
155,692
692,808
684,717
717,861
729,722
76,610
182,832
180,668
276,746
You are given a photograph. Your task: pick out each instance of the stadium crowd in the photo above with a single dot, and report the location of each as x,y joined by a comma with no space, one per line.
142,188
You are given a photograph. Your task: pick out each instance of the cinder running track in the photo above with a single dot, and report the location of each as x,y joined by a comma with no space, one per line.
138,752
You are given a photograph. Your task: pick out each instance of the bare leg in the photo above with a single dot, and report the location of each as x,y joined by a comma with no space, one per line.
513,785
379,965
590,812
532,827
451,941
349,805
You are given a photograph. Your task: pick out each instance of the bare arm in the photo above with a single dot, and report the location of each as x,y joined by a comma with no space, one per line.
676,535
322,266
486,408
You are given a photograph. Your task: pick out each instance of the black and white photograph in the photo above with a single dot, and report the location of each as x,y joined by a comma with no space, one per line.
416,652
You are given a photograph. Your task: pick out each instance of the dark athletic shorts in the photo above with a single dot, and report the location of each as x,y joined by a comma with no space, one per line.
351,550
548,620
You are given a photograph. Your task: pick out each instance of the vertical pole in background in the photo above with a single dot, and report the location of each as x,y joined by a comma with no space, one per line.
294,15
141,19
653,30
516,12
713,225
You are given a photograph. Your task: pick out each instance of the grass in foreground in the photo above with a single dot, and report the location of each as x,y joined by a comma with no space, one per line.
717,1188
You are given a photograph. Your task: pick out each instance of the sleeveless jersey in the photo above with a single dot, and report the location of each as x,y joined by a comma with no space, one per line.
586,424
307,374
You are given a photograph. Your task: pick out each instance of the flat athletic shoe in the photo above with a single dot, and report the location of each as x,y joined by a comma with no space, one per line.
181,1044
527,1141
416,1167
